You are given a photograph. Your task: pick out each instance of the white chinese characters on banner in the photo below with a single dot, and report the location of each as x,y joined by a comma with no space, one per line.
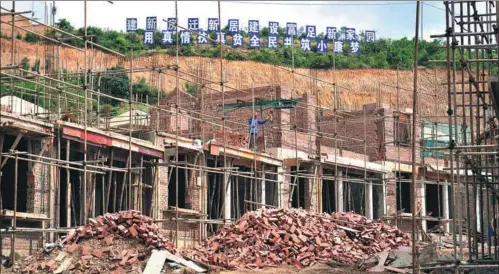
233,26
131,24
213,24
272,42
202,37
273,28
193,24
355,47
151,23
338,47
185,38
331,33
237,40
253,26
254,40
321,45
148,38
370,36
305,44
167,37
311,32
350,34
224,38
171,24
291,29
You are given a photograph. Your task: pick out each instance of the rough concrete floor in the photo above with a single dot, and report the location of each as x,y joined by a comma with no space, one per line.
315,269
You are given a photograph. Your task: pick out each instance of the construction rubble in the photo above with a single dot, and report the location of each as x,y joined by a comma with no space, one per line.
274,237
123,243
112,243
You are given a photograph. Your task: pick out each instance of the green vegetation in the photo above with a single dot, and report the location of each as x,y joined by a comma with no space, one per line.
25,65
384,53
31,38
115,84
191,89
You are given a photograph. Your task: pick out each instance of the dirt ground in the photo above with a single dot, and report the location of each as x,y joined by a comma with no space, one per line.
315,269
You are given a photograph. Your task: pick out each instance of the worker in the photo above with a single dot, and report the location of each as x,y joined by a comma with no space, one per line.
253,124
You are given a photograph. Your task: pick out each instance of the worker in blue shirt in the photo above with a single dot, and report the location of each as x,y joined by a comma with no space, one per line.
253,124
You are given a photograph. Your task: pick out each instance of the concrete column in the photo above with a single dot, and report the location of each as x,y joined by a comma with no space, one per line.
384,209
478,211
313,188
284,187
227,197
422,200
391,194
339,192
262,183
369,200
445,206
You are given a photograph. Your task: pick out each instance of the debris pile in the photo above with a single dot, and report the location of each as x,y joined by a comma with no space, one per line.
274,237
112,243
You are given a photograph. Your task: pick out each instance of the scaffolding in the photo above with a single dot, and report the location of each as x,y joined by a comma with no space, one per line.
192,148
471,57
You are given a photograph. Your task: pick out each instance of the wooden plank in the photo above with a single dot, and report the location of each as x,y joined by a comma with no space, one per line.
381,262
184,262
396,270
63,266
156,262
6,213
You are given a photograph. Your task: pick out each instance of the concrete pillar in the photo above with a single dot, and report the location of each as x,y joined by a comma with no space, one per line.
339,192
478,211
313,188
391,194
421,197
379,190
227,197
284,179
445,206
369,200
262,183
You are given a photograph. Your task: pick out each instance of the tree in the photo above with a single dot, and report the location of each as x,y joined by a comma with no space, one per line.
25,65
117,84
31,38
64,25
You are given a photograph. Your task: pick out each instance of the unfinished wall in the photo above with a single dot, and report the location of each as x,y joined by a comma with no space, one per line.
353,128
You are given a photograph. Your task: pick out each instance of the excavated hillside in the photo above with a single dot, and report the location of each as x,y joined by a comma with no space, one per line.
355,87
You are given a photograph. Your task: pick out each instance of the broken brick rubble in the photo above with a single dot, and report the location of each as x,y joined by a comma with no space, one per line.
273,237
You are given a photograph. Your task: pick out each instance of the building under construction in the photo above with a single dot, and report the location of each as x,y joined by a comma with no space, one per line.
185,159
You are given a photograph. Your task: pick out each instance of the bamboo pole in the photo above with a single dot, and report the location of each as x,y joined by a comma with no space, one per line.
415,252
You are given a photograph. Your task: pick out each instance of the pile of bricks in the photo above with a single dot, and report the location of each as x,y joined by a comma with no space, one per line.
112,243
124,223
274,237
232,138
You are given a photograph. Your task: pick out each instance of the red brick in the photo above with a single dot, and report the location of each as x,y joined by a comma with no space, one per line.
97,253
133,231
72,248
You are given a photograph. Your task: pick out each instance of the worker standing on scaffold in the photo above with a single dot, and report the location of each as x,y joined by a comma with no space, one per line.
253,124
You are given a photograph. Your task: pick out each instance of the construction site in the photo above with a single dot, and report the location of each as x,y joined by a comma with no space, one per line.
343,168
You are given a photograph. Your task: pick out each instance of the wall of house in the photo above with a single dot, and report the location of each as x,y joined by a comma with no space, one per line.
351,129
